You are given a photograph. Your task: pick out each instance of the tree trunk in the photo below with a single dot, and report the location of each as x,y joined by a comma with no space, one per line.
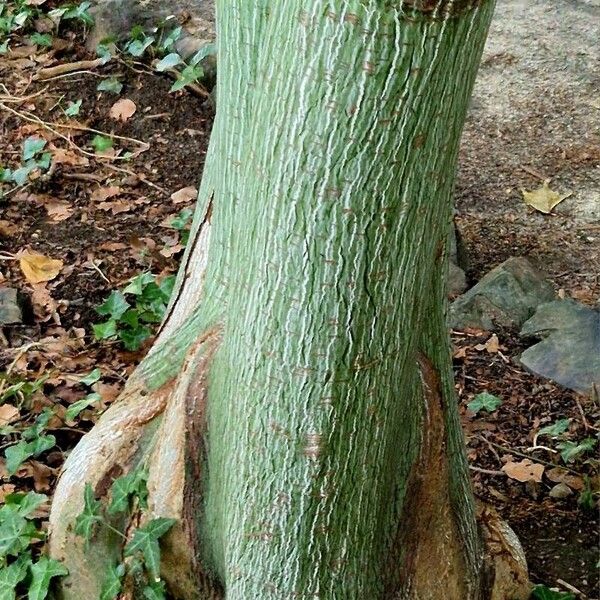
297,412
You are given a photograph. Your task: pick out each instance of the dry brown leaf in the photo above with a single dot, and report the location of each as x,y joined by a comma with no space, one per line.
5,490
544,199
102,194
113,246
38,268
7,229
491,346
8,414
524,471
68,157
41,476
558,475
44,305
122,109
185,194
58,211
116,207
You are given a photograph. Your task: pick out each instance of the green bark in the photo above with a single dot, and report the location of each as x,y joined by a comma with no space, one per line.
334,464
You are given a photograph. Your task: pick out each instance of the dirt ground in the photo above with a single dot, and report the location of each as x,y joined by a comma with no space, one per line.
535,115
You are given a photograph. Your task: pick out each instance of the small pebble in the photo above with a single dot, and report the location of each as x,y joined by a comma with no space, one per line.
560,491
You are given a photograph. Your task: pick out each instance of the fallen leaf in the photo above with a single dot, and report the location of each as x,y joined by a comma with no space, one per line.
112,246
544,199
558,475
116,207
169,251
38,268
185,194
58,211
8,414
7,229
524,471
102,194
5,490
68,157
123,109
41,476
491,346
44,305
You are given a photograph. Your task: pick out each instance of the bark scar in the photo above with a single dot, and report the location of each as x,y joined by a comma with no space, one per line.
427,540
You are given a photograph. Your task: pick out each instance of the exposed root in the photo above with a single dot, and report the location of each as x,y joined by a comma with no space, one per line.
159,430
506,576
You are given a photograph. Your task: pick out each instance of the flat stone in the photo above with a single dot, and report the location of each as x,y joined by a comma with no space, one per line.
10,307
569,352
506,297
560,491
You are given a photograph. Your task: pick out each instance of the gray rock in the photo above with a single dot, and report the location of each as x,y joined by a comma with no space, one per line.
561,491
116,18
507,296
10,306
457,280
569,352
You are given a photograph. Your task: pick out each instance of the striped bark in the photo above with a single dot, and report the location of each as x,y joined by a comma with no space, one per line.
297,411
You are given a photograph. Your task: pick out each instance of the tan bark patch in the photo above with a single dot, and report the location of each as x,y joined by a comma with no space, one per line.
428,540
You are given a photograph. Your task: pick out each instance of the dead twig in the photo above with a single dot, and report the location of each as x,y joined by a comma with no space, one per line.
52,127
61,69
486,471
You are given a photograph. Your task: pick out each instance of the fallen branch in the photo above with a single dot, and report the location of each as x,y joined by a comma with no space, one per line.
79,65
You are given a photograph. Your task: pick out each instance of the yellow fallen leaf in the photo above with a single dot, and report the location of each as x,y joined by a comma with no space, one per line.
544,199
524,470
122,109
38,268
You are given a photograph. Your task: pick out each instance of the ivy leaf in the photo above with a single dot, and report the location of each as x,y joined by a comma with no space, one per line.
569,451
12,575
155,590
104,331
92,377
189,75
207,50
125,488
555,429
86,522
137,284
101,143
114,306
134,338
75,408
21,175
168,62
25,504
42,572
111,84
16,532
112,584
145,540
32,146
541,592
41,39
16,455
73,109
484,401
138,47
173,36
